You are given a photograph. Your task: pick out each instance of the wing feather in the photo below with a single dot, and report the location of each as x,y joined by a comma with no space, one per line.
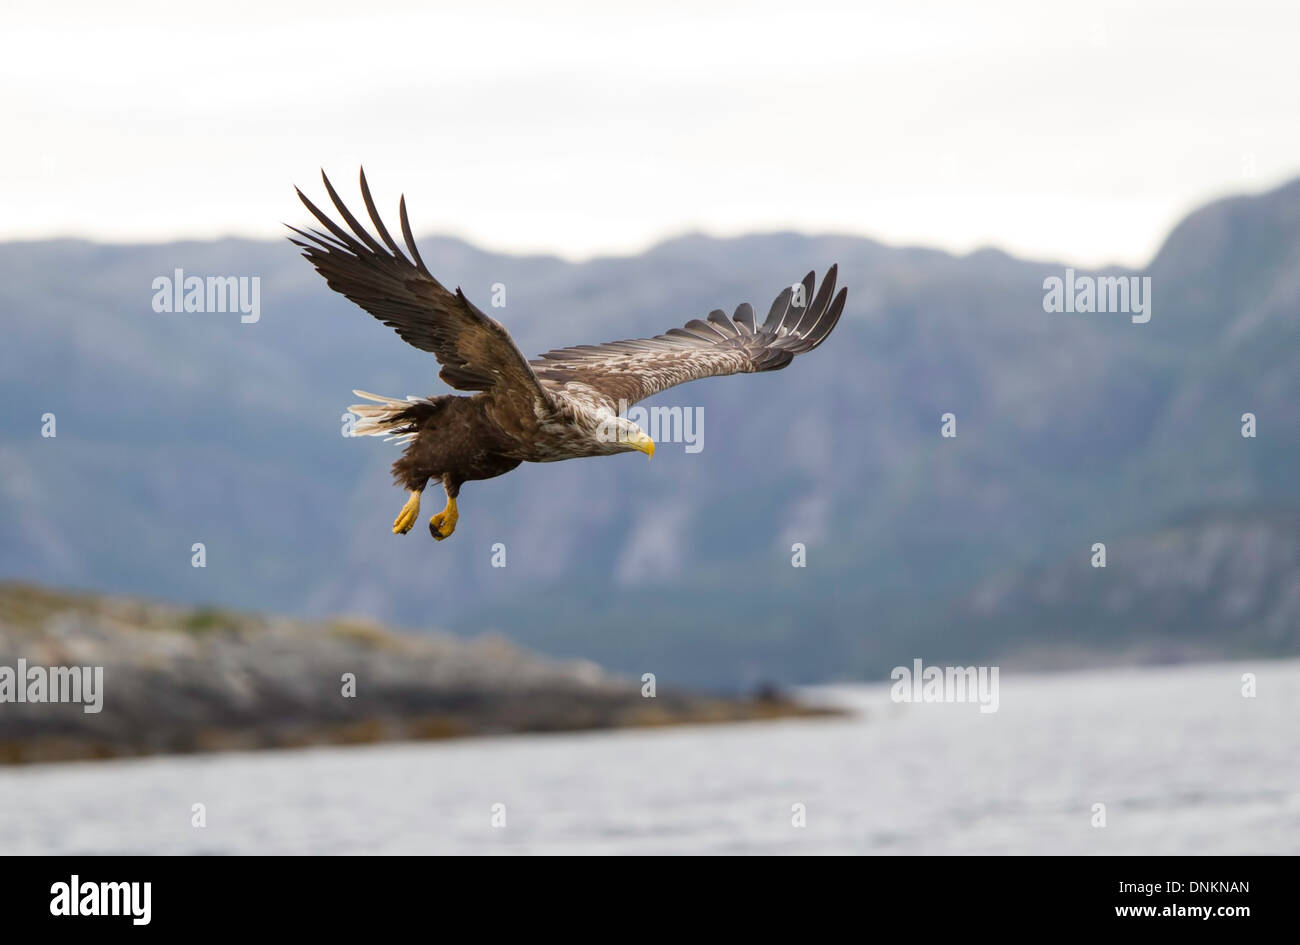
475,351
632,370
744,318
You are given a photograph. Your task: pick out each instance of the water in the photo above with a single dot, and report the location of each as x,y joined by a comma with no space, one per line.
1183,763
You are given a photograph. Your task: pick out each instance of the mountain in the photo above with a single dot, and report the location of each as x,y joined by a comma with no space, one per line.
1201,583
1072,428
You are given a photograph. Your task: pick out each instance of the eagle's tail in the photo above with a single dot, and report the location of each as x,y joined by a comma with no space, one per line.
388,416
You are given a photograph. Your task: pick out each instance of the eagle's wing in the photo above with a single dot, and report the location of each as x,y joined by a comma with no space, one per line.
475,351
629,371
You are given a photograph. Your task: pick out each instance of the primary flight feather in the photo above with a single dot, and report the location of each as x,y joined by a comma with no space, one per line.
563,405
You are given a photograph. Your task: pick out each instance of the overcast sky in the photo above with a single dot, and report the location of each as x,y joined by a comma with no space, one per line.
1076,130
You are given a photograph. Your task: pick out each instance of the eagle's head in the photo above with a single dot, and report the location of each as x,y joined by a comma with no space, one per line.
617,434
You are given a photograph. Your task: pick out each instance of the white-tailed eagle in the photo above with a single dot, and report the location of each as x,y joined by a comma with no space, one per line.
563,405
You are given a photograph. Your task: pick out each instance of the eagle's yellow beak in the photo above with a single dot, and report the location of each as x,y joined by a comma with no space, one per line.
644,444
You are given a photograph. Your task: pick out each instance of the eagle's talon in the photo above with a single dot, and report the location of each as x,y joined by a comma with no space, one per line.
444,523
409,515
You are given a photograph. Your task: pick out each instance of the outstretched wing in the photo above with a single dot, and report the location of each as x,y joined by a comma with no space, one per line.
475,351
629,371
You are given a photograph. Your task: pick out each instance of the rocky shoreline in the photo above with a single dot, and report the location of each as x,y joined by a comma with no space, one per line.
173,679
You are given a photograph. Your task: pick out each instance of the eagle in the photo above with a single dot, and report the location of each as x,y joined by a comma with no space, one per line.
565,404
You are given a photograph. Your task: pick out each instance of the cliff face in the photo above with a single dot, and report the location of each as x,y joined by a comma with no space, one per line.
160,678
1216,581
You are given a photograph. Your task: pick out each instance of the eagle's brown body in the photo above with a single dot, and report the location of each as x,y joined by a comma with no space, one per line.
454,443
566,404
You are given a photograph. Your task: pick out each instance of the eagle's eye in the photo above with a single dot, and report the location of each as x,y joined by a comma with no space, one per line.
625,433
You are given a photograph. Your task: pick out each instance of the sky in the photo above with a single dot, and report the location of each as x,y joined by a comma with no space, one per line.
1078,132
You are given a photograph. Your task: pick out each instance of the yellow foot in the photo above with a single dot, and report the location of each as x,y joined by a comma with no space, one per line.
409,515
444,523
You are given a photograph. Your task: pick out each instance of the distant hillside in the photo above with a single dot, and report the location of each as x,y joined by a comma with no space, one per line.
1217,581
1072,428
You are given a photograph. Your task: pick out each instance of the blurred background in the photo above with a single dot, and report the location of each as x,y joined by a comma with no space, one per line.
620,172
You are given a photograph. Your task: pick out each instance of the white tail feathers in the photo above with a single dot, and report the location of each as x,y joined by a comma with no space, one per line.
378,418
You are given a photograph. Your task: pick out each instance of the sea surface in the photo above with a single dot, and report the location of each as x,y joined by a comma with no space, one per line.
1182,762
